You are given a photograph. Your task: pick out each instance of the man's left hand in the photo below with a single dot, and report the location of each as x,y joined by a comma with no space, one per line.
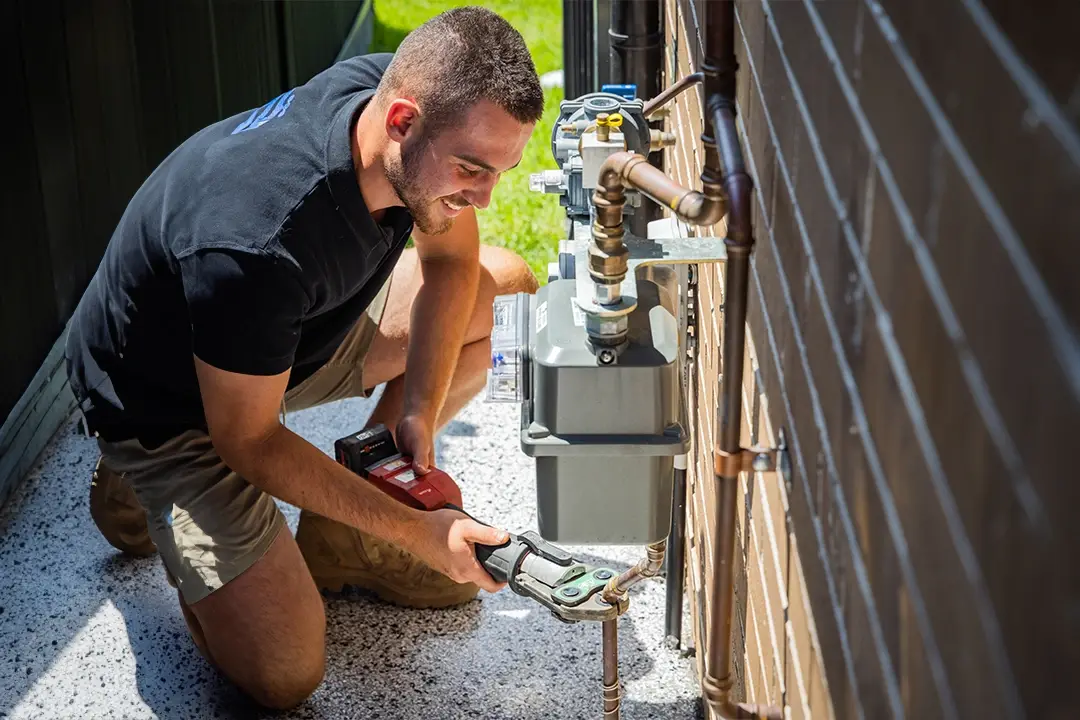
415,437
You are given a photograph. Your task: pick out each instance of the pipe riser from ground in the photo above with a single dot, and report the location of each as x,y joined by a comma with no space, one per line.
675,558
612,692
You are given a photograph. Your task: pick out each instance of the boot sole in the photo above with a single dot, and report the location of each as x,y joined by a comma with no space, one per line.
459,595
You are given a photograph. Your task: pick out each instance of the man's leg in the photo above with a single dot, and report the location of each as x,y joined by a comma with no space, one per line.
245,592
338,555
266,629
502,273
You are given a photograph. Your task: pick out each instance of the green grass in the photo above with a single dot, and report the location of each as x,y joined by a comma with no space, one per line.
528,223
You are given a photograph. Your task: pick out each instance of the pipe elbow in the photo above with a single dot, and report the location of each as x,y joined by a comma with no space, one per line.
614,170
701,209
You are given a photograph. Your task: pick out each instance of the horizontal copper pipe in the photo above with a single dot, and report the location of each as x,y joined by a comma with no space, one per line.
629,170
672,92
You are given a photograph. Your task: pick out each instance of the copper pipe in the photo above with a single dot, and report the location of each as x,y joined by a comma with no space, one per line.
720,69
629,170
647,567
676,559
612,692
672,92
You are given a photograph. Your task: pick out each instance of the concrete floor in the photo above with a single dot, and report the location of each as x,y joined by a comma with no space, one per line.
87,633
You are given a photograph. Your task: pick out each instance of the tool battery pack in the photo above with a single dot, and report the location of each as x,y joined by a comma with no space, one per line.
373,455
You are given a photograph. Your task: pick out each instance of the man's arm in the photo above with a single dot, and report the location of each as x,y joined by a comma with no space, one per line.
242,415
450,264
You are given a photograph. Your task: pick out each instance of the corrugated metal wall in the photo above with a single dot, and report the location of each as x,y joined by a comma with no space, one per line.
914,313
99,92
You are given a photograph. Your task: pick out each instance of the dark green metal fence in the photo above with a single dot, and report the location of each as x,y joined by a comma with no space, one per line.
98,92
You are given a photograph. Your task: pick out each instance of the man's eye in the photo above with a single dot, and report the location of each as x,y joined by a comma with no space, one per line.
471,172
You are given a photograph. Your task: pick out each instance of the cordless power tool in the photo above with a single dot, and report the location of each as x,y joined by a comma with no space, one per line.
531,566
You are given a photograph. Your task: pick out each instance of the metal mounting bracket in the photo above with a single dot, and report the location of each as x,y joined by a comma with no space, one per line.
755,459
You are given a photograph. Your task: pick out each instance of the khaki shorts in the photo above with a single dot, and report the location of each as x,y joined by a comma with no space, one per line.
209,524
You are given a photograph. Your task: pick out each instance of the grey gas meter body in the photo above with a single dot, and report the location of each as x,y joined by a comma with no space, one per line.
604,428
595,363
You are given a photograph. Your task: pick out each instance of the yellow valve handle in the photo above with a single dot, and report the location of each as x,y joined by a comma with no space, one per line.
614,120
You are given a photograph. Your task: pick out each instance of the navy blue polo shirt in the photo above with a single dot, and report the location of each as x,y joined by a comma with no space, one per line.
250,246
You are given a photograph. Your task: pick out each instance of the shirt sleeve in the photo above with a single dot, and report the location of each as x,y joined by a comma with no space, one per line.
245,310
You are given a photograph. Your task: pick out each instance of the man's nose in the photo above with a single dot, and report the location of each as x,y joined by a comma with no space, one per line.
479,195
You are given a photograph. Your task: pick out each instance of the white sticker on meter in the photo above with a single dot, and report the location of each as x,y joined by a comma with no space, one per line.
579,315
541,316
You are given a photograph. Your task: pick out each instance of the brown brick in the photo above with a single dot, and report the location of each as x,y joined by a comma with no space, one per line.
751,20
941,577
813,558
917,688
903,128
797,698
800,617
1002,140
871,675
825,367
777,95
985,497
998,317
820,701
1044,41
841,20
772,575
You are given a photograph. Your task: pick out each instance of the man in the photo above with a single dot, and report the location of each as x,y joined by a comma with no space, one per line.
261,269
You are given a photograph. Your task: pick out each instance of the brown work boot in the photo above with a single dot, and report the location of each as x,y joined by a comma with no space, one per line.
118,514
339,556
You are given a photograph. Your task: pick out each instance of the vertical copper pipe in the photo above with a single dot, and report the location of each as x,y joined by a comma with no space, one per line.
720,69
673,587
612,693
736,283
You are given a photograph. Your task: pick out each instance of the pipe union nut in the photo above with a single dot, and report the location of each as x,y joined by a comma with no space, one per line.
608,263
606,327
608,294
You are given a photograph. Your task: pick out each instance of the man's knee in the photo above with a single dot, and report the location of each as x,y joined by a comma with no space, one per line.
506,272
265,629
502,272
281,688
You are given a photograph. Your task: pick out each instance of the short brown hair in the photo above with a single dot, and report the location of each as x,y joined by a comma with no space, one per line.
460,57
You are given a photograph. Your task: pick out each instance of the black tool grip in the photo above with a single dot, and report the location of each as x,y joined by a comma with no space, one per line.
500,561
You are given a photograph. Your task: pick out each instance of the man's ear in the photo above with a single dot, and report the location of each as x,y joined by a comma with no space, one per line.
402,117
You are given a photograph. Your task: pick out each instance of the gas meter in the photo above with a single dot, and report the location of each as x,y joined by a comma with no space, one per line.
593,359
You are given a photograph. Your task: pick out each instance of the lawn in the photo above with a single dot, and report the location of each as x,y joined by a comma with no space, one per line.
526,222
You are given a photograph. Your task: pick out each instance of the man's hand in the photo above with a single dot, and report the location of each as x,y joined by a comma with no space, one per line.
448,547
414,438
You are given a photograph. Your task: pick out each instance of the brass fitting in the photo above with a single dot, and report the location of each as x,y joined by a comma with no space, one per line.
659,140
604,124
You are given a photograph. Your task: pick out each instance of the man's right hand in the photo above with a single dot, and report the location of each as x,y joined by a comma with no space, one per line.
446,544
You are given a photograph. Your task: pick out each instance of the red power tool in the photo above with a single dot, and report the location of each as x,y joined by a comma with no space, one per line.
372,455
530,565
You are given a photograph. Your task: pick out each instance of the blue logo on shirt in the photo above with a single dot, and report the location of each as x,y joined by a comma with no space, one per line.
260,116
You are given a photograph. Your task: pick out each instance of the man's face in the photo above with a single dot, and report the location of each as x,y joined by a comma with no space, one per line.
438,177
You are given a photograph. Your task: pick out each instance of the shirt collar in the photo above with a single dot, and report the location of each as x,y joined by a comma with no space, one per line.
397,222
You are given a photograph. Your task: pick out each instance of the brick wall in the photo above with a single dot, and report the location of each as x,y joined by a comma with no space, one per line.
913,308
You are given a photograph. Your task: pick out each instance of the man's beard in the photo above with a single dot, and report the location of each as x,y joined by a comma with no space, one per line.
404,176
